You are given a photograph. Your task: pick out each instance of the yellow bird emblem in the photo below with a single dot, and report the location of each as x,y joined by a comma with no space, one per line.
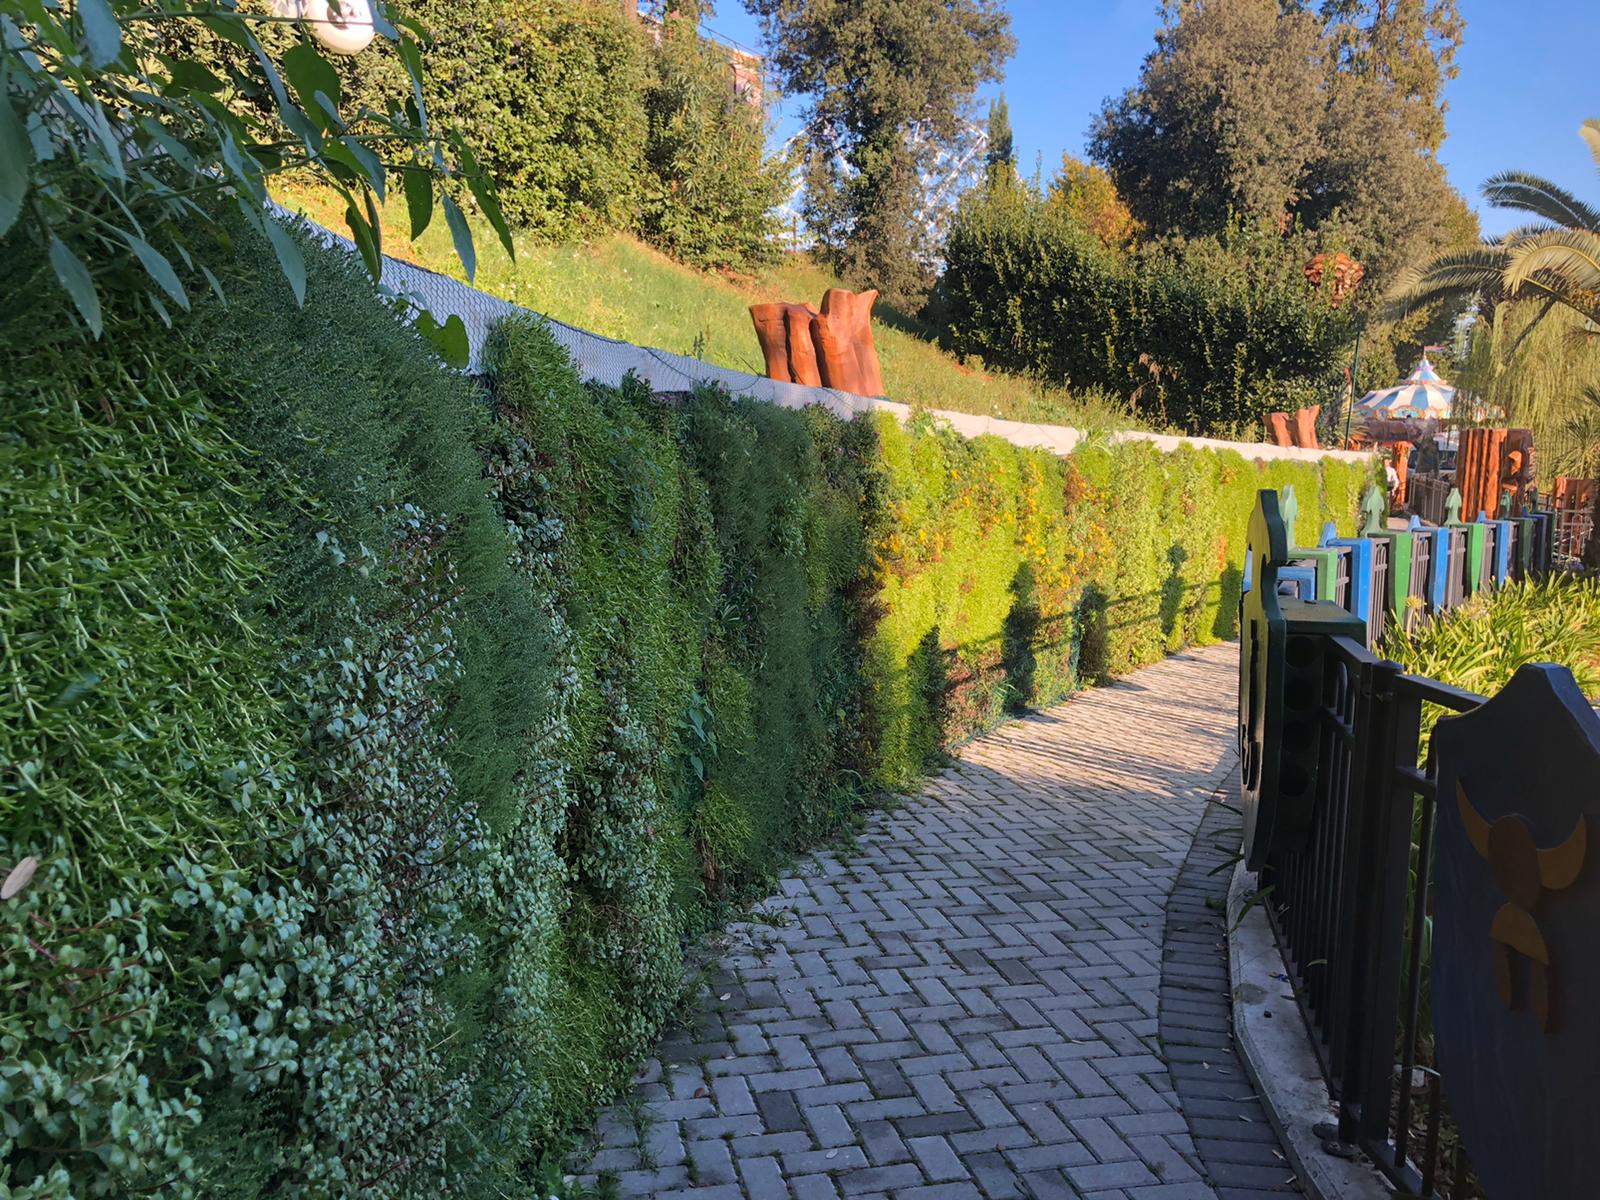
1523,872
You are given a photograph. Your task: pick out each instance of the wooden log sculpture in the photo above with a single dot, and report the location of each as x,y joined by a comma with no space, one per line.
774,339
1304,429
784,331
855,309
832,348
1479,459
798,325
1402,468
836,353
1278,429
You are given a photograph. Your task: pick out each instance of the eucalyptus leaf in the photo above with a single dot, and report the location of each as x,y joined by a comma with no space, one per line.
191,76
310,73
289,256
460,234
371,165
361,234
159,268
419,199
483,192
412,57
16,156
452,344
74,276
100,31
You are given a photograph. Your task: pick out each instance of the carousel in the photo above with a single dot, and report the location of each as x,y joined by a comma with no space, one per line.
1407,417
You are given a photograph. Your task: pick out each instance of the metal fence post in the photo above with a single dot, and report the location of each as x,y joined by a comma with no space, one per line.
1374,901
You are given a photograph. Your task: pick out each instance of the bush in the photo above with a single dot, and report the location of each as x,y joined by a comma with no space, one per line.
588,122
381,739
267,734
708,190
1480,645
1206,337
1008,578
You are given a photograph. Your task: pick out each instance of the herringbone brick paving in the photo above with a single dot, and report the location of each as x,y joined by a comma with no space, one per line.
966,1008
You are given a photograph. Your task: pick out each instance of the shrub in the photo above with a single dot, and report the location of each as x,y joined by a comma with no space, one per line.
708,188
1206,337
588,122
1479,645
1009,577
278,792
548,95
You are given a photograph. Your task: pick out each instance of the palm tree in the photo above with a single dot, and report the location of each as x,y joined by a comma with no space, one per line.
1554,261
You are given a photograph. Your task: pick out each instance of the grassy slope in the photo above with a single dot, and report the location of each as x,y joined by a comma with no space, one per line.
621,288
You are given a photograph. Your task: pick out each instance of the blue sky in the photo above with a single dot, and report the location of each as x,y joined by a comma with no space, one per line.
1527,80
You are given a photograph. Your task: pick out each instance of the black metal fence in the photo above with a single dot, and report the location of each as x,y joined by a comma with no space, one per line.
1353,816
1348,904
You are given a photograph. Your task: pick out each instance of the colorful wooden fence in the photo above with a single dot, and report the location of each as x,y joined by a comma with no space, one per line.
1386,576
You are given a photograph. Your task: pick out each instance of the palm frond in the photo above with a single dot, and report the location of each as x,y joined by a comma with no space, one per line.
1569,259
1542,198
1459,275
1512,236
1589,131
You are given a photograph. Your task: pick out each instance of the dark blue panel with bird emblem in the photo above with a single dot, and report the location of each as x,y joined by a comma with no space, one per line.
1516,935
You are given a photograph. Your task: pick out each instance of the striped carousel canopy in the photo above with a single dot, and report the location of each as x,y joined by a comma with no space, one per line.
1420,395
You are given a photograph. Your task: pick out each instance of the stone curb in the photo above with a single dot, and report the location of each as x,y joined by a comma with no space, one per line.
1277,1053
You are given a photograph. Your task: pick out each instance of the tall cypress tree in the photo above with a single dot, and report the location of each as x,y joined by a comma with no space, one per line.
1002,152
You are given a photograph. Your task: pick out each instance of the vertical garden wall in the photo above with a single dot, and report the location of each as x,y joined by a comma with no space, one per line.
381,735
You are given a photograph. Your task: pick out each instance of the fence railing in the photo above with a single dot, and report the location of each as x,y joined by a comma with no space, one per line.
1397,577
1426,495
1428,891
1572,502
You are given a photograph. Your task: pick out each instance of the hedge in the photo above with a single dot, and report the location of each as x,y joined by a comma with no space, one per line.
1206,337
384,737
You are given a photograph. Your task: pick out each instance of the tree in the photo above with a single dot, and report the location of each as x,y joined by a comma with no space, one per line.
118,154
890,85
1552,262
1218,123
1407,45
1327,119
1001,155
708,189
1086,191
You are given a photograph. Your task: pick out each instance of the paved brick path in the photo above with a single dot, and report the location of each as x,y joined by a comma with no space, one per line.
966,1007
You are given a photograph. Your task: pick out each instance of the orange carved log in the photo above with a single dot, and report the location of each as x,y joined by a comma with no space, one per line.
1304,430
1402,467
866,348
854,311
1278,429
803,366
836,353
1480,460
774,338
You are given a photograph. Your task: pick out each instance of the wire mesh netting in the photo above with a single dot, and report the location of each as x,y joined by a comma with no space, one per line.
608,361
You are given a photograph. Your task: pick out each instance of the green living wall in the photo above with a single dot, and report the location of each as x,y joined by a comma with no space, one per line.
381,736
